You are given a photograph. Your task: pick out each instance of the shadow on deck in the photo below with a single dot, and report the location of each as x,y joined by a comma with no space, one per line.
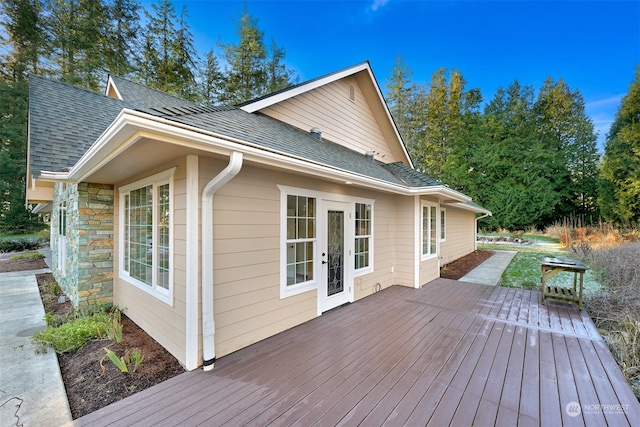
450,353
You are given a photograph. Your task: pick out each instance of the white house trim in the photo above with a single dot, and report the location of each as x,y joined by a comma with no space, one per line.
191,275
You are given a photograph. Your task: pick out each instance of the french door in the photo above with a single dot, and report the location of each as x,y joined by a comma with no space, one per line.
336,281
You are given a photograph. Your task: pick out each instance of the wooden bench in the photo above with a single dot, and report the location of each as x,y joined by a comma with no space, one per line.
553,266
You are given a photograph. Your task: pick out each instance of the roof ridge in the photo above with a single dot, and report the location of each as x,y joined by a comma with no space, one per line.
113,76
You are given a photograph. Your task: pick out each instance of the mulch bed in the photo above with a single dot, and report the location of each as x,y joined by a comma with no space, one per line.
7,266
88,387
460,267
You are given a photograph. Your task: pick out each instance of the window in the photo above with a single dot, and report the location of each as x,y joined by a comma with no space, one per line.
146,235
443,221
429,225
301,239
363,237
62,237
62,218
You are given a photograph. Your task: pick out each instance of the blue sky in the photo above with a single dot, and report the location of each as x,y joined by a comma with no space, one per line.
593,45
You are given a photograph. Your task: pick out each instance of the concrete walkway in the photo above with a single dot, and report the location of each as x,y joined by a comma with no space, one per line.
490,271
31,389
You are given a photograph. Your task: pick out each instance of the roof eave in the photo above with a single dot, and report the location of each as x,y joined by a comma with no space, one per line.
130,125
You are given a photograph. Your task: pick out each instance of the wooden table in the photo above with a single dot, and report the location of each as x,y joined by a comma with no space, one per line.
553,266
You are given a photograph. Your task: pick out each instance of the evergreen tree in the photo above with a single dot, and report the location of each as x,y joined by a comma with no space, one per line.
77,29
23,24
168,54
252,71
278,75
246,76
570,142
14,217
437,121
620,174
511,163
401,97
186,59
210,79
120,46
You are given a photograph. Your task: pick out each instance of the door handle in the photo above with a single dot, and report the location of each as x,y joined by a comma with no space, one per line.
324,262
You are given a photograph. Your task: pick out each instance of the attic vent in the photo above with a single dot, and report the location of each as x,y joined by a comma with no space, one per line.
352,93
316,133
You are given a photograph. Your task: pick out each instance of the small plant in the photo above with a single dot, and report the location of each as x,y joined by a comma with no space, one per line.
73,334
30,255
132,356
114,332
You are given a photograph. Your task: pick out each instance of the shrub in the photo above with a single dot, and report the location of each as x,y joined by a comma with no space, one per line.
616,309
72,335
15,245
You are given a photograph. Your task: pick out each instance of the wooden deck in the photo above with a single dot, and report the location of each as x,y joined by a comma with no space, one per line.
451,353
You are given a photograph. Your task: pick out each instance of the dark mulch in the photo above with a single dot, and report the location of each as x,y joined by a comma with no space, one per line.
458,268
88,387
22,265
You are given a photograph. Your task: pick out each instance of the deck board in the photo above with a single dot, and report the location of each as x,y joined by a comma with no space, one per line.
450,353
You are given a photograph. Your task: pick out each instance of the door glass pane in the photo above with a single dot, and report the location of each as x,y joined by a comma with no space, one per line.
335,248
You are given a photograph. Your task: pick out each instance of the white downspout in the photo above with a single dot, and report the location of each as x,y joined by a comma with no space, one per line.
208,323
475,234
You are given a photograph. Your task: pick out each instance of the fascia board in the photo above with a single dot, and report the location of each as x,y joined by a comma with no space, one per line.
472,208
304,87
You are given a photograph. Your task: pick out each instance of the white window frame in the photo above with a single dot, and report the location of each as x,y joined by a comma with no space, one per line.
62,234
321,198
368,269
443,224
430,209
156,180
298,288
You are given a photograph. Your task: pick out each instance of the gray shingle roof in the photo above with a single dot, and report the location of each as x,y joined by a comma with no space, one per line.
66,121
143,96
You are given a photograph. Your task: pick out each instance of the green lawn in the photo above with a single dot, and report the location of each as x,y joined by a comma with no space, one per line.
524,270
20,236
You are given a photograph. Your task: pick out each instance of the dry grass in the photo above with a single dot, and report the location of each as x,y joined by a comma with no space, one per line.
616,309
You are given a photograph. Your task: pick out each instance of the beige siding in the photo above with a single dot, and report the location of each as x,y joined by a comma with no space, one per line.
247,257
165,323
342,121
405,242
460,235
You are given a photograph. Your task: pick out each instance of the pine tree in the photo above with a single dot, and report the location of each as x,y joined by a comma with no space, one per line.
76,29
401,97
120,46
210,79
571,143
25,28
246,76
620,173
252,71
277,74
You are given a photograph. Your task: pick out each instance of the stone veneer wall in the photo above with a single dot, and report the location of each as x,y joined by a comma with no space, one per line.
87,278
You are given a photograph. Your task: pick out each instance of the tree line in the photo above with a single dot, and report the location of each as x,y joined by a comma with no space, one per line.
529,156
532,159
80,42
